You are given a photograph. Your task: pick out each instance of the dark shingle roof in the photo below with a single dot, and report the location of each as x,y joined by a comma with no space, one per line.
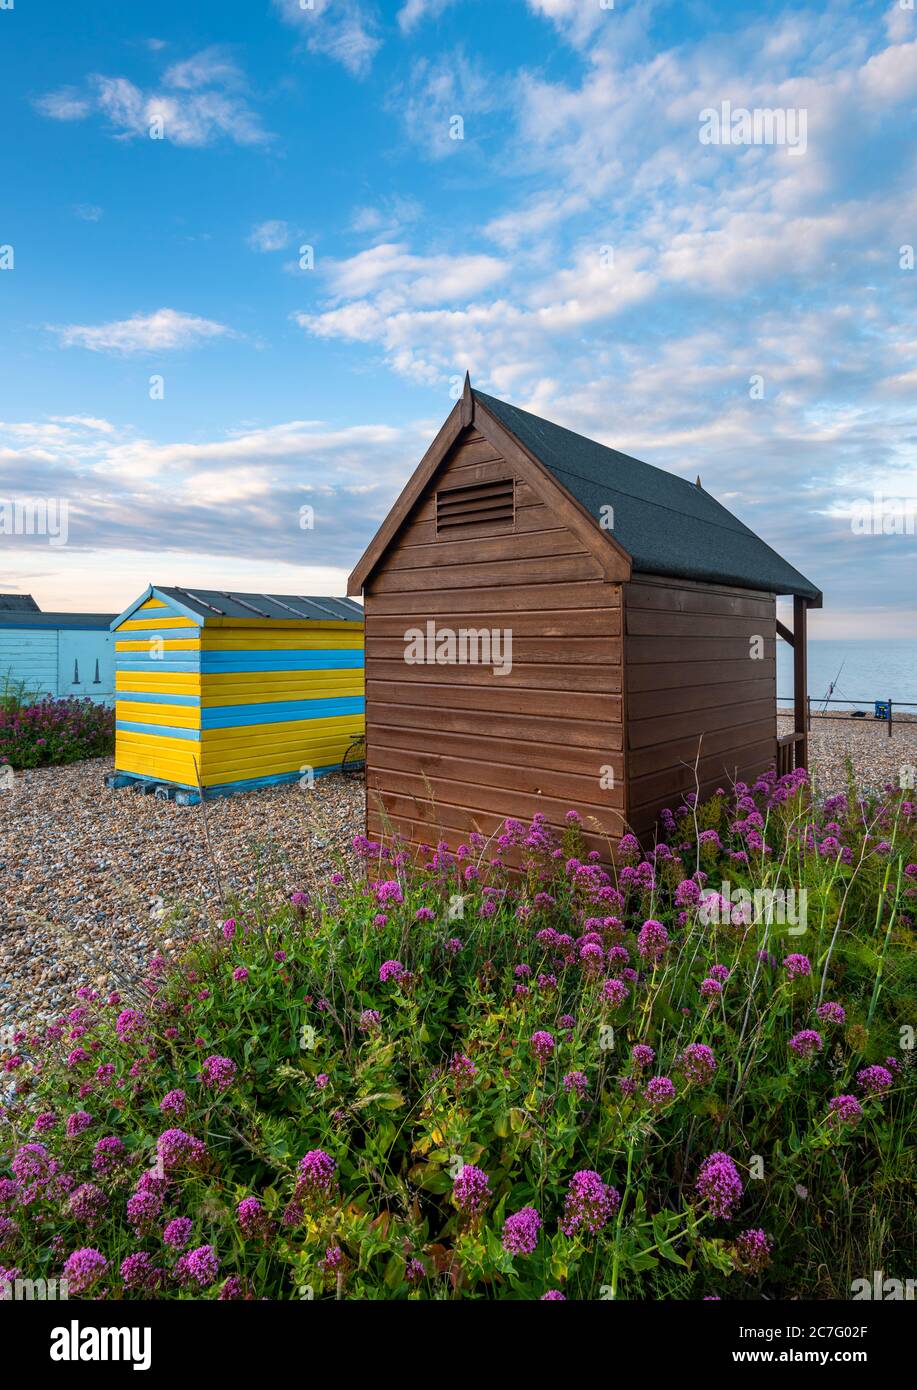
214,603
666,524
18,603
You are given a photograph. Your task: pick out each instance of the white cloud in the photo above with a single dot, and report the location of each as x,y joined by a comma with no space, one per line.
67,104
342,30
402,277
87,212
163,331
269,236
413,12
198,102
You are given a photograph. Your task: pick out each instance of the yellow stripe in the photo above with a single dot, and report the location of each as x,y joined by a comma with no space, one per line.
281,732
160,682
173,644
134,623
153,603
174,716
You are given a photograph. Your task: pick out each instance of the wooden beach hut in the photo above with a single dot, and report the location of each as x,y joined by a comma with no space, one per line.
234,690
639,612
57,654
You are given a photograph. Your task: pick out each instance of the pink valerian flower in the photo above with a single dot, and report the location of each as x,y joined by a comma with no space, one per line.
174,1147
370,1020
252,1218
553,1296
614,993
845,1110
797,966
710,989
830,1012
543,1046
129,1023
174,1103
77,1122
388,891
751,1251
83,1269
139,1272
229,928
391,970
414,1271
589,1203
218,1072
109,1153
315,1179
642,1056
334,1259
520,1232
88,1204
697,1063
719,972
454,945
177,1232
659,1090
471,1190
652,940
199,1266
874,1080
806,1043
719,1184
576,1081
44,1122
462,1069
240,973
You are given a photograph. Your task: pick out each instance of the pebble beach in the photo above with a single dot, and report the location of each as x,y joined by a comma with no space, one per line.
93,881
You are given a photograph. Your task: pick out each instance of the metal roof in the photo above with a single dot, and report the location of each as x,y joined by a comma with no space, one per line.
225,603
56,620
666,524
18,603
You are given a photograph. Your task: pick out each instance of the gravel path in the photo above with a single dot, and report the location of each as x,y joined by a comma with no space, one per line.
85,872
876,758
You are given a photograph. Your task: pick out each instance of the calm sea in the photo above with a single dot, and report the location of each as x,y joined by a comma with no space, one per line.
868,671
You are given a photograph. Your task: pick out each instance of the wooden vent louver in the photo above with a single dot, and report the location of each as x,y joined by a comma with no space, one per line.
477,504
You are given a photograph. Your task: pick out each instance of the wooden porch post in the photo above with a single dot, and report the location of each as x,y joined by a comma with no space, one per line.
800,681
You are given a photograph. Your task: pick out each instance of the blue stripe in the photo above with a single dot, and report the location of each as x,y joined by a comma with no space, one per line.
163,730
138,662
154,697
338,659
216,663
220,716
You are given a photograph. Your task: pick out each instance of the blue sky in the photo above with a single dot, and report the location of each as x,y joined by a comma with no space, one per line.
581,250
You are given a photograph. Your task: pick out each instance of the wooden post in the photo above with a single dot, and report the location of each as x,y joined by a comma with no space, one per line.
800,681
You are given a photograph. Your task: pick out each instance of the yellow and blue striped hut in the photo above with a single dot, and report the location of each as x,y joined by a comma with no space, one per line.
230,691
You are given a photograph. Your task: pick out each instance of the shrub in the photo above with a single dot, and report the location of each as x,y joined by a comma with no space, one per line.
351,1096
55,731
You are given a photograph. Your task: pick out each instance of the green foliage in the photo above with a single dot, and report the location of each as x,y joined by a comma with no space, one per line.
409,1075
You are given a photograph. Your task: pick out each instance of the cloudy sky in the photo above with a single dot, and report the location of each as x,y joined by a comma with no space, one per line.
246,258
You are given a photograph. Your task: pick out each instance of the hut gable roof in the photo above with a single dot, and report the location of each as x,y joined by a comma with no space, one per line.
222,605
662,524
666,524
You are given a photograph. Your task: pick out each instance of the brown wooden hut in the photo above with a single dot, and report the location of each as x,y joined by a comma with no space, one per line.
642,623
